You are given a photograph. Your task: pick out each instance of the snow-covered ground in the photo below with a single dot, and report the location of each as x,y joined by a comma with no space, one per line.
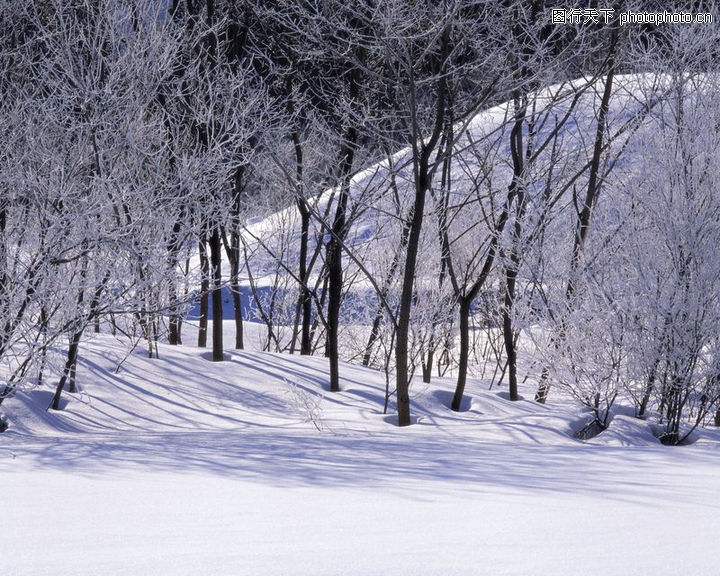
178,465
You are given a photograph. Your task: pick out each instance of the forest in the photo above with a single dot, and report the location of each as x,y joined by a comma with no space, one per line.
460,189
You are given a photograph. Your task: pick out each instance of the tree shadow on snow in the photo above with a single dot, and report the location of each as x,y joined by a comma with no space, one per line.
380,461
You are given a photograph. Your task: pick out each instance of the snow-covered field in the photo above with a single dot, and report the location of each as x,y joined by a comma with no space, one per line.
178,465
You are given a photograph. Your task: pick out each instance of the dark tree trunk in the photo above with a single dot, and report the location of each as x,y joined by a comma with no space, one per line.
335,274
174,322
406,295
517,193
43,351
333,317
543,387
71,363
374,335
235,289
334,249
466,301
649,387
423,176
204,288
174,318
305,300
234,258
232,250
217,305
3,247
428,363
68,371
509,337
465,305
304,305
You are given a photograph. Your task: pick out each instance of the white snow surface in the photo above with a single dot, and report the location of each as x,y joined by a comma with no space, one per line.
179,466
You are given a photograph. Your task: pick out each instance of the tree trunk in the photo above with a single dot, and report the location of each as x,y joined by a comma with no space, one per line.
304,306
428,363
204,288
217,305
68,371
517,192
3,248
234,258
465,304
94,305
509,338
174,318
649,387
72,383
467,300
305,300
374,335
237,303
543,387
232,250
423,175
422,184
334,250
43,350
335,276
174,322
333,317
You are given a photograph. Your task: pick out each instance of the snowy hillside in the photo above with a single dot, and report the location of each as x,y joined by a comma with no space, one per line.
178,466
380,195
358,288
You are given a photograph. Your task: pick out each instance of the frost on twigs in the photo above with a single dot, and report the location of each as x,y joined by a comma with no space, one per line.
306,405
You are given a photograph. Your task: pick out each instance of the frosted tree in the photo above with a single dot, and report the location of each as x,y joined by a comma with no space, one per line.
215,106
679,210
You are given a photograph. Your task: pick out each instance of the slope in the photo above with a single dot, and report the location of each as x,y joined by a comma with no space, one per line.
178,465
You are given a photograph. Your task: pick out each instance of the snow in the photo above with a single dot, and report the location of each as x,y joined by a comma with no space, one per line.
179,465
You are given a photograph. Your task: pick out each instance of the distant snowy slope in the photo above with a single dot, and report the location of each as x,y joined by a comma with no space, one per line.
376,228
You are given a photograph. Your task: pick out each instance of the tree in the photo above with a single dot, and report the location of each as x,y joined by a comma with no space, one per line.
427,60
217,103
679,214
